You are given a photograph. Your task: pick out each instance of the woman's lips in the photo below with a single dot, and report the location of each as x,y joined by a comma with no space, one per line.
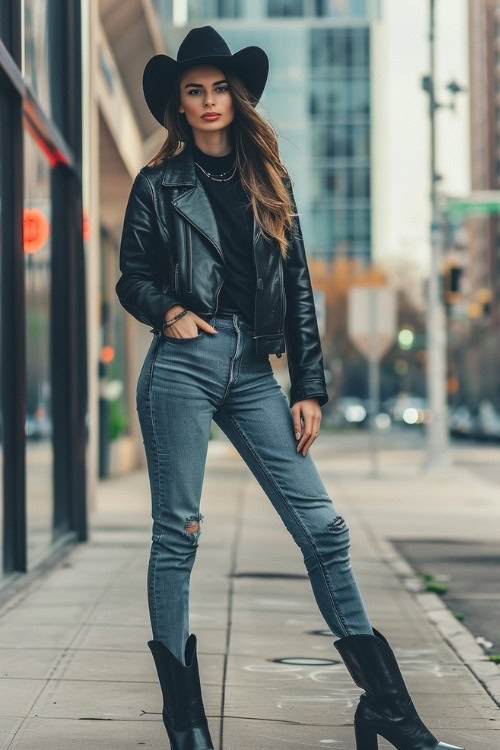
211,117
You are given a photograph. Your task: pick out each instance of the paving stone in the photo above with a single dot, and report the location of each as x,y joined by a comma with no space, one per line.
28,662
109,700
61,734
18,695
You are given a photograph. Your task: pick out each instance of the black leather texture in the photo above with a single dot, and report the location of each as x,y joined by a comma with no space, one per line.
170,253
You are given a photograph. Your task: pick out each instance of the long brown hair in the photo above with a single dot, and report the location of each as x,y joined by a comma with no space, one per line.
254,140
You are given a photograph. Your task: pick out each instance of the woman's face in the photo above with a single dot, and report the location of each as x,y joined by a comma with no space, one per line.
202,90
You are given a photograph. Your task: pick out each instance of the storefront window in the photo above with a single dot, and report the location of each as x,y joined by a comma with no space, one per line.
37,32
3,131
113,365
37,232
5,23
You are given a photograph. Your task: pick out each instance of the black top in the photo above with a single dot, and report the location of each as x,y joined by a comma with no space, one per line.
235,224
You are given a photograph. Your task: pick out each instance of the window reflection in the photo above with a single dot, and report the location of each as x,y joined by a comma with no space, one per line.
37,32
339,106
37,254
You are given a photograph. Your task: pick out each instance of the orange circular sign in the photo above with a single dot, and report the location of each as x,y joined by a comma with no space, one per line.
35,230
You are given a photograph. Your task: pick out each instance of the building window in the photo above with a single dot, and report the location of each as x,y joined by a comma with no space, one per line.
285,8
43,422
37,238
228,8
40,26
5,23
339,106
341,48
347,8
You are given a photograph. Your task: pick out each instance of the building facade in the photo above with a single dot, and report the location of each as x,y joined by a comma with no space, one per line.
475,311
482,269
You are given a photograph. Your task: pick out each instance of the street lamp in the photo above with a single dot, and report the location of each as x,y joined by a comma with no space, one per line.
437,430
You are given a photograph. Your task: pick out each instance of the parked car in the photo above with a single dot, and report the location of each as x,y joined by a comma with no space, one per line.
38,426
487,422
407,409
480,423
461,422
348,411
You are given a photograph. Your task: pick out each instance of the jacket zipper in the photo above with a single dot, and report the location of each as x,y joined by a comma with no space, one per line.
201,232
283,298
217,295
176,282
176,286
256,275
218,250
190,258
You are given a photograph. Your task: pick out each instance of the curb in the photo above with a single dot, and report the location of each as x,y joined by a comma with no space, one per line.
457,635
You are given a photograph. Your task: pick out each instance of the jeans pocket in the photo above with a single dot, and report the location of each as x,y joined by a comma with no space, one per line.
179,340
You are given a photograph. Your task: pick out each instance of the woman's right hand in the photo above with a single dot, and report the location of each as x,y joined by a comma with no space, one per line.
187,326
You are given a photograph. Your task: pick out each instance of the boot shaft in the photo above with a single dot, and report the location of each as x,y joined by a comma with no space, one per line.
373,666
180,685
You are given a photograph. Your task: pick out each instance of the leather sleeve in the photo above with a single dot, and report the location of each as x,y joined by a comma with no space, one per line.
139,287
303,343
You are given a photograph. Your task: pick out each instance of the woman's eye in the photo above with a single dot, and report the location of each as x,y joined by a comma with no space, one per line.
223,88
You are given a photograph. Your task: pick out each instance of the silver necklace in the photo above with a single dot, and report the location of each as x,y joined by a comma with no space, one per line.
219,177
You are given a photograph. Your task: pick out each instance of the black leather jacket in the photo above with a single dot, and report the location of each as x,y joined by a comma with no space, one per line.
170,253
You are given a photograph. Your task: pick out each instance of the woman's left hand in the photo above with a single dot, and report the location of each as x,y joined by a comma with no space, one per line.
310,411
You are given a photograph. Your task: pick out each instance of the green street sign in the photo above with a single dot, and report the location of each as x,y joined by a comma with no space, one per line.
481,208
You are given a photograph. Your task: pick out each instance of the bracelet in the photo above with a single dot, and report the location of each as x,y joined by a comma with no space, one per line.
172,320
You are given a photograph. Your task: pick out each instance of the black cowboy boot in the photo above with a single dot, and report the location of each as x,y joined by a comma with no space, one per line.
386,708
183,711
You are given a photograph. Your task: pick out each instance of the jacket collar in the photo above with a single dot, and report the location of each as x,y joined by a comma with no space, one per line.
193,204
179,170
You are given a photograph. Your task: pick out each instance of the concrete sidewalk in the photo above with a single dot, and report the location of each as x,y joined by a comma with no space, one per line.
76,670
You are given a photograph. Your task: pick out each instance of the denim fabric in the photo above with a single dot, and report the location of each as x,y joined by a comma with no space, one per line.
184,384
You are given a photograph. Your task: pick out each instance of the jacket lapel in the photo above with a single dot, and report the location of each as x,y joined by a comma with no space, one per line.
193,203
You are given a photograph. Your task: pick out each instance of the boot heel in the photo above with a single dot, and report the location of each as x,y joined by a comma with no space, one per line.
366,739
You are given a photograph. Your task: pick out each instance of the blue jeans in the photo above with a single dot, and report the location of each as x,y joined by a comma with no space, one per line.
184,384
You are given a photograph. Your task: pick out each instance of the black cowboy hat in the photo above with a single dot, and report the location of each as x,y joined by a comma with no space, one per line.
202,45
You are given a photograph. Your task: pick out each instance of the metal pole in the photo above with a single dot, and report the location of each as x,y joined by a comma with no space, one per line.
374,383
437,430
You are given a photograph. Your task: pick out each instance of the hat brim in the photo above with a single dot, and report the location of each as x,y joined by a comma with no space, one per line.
161,71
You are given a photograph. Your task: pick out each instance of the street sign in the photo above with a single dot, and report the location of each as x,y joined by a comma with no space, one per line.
371,319
480,202
371,324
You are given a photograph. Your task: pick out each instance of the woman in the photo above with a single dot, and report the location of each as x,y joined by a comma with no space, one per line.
212,257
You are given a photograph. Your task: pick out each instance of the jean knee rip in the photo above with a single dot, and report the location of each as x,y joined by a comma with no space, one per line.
338,524
192,527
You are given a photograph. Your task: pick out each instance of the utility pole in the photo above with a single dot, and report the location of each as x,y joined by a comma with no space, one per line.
438,453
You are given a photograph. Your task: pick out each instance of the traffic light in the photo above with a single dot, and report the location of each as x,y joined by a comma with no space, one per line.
452,276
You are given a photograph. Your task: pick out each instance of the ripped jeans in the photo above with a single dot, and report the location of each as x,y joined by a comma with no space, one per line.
185,383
